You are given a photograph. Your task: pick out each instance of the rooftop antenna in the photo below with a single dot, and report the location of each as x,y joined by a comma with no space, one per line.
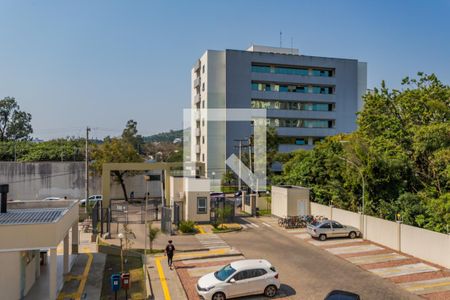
281,34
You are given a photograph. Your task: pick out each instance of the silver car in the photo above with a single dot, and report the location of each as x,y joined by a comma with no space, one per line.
330,228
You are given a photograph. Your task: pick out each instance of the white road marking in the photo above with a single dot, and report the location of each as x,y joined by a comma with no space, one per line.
303,236
377,258
353,249
403,270
265,224
253,224
427,286
335,242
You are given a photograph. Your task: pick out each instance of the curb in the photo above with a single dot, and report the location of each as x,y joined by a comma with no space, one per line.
211,256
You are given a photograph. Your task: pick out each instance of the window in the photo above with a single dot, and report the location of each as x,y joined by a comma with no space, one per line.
291,105
300,142
257,273
201,204
300,123
203,69
203,86
336,225
203,139
203,157
203,104
242,275
224,273
325,225
288,70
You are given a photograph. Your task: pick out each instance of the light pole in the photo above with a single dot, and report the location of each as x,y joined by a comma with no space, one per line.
147,179
363,188
120,236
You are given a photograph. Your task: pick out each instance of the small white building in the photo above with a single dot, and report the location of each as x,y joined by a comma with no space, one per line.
193,196
289,200
29,230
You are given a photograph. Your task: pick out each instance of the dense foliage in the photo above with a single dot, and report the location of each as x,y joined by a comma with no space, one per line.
54,150
15,125
402,150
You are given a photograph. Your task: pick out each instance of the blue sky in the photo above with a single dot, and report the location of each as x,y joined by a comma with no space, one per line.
100,63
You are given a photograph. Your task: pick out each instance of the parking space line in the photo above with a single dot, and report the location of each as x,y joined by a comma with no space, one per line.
403,270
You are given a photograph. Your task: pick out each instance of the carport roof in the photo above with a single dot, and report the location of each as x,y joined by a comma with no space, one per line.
32,216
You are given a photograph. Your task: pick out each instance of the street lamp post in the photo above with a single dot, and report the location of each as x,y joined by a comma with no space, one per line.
121,236
363,188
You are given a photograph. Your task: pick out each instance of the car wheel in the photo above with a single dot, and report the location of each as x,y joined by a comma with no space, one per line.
352,235
218,296
322,237
270,291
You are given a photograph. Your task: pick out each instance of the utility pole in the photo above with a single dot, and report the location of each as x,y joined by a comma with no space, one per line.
86,171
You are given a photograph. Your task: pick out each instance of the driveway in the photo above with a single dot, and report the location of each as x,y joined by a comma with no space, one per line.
308,271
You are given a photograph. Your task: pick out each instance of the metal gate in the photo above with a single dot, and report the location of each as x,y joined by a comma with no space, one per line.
166,220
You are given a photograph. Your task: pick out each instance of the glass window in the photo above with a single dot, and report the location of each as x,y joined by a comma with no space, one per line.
300,142
242,275
325,225
201,204
254,86
336,225
224,273
203,69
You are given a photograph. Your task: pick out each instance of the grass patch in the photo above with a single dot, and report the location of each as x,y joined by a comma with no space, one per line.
265,212
224,228
134,266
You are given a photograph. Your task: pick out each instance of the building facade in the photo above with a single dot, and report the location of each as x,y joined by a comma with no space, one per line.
306,97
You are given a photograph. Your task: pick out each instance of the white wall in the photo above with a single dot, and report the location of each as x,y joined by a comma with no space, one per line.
382,232
347,217
279,202
10,275
425,244
320,210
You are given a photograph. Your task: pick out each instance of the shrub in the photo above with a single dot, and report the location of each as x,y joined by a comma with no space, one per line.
187,226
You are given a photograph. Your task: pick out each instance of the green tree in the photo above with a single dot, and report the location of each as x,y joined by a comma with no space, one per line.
131,136
114,151
15,125
153,233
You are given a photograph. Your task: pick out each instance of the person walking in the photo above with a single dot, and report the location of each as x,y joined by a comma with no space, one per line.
170,250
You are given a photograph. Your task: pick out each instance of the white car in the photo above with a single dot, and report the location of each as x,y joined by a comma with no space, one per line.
92,199
240,278
52,198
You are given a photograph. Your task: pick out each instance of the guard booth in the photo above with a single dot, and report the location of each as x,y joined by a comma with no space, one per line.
290,200
220,204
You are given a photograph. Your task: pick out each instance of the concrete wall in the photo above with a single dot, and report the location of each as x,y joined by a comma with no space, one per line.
279,205
382,232
347,217
10,275
32,181
425,244
320,210
421,243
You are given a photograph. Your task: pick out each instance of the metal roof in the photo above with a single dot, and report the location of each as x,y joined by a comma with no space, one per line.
31,216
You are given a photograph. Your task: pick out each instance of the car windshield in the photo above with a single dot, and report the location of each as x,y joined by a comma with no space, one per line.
224,273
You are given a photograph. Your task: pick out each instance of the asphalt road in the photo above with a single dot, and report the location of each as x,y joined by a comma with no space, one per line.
306,271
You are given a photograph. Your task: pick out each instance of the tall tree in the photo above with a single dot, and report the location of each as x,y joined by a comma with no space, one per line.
130,135
115,151
15,125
